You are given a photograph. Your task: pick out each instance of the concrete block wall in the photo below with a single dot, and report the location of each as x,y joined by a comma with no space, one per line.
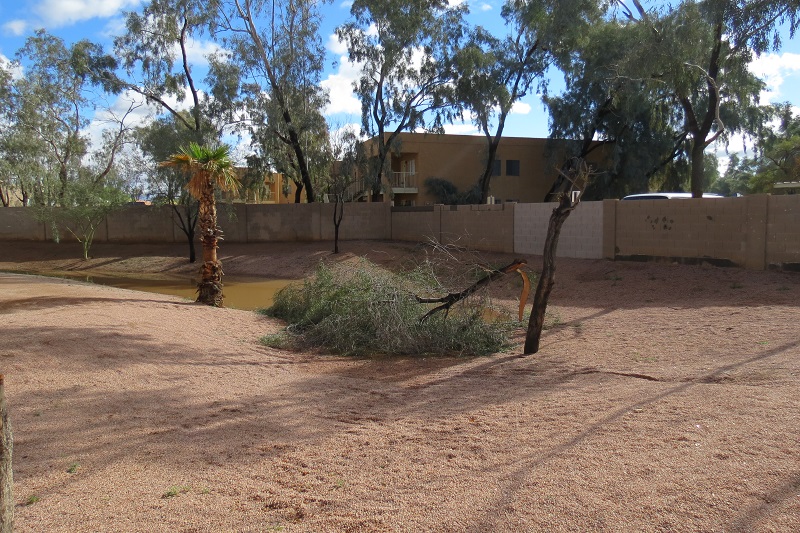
783,231
19,224
306,222
482,227
417,224
139,224
361,220
581,235
690,228
754,232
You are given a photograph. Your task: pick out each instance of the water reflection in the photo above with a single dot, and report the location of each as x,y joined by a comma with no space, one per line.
241,292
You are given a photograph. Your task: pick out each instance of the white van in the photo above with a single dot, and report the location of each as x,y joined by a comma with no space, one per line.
668,196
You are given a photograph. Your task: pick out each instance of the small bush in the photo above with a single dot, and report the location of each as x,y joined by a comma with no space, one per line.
362,309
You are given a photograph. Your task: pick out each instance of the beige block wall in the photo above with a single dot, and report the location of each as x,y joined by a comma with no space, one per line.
361,220
232,220
483,227
289,222
417,224
140,224
690,228
19,224
783,230
581,235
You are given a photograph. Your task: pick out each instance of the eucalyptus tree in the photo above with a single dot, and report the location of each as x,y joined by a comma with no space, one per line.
775,159
494,73
405,49
52,104
602,111
779,153
696,56
23,163
157,55
279,53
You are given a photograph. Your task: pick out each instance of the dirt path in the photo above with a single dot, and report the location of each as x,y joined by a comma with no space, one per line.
664,399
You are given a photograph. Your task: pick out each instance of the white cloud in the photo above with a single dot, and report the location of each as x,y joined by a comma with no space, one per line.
773,69
56,13
520,108
335,45
455,3
347,4
485,7
16,70
340,89
197,52
114,27
461,129
15,27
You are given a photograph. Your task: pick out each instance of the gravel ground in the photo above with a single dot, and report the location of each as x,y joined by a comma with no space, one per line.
664,398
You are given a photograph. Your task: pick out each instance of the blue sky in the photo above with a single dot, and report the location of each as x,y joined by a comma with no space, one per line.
100,20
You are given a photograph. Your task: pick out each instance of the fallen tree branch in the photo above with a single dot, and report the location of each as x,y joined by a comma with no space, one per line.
448,301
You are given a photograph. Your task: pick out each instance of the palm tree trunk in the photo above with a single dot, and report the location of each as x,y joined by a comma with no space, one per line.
209,289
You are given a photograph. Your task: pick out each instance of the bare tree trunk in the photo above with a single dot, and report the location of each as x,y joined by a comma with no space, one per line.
338,214
6,470
566,203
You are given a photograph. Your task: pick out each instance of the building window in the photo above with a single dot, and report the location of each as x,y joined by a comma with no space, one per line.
512,167
496,167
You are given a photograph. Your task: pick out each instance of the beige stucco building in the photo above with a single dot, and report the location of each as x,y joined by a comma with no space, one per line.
524,169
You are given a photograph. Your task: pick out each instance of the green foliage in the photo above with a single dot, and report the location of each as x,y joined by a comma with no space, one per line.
85,207
362,309
776,159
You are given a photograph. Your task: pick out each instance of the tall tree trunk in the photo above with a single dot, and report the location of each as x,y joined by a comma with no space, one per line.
6,470
486,178
698,168
209,289
578,178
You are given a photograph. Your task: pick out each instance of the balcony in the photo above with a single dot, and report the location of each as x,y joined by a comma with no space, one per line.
404,182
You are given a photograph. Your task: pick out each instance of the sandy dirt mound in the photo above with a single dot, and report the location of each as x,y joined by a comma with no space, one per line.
664,398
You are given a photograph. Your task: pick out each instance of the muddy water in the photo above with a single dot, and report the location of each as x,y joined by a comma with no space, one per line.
240,292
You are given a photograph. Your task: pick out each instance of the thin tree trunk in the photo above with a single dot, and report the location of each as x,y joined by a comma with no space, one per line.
338,214
209,289
6,470
578,177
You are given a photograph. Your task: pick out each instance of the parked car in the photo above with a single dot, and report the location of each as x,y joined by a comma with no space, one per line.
668,196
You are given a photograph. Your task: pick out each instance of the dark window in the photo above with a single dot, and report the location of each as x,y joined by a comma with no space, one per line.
496,167
512,167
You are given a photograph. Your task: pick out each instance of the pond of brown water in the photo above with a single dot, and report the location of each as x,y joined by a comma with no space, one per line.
241,292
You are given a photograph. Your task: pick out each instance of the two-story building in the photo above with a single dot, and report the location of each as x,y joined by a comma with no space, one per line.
524,169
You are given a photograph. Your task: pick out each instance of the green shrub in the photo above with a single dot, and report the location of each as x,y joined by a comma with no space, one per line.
362,309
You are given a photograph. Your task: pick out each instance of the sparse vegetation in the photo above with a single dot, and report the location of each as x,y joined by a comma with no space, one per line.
33,498
175,490
362,309
72,468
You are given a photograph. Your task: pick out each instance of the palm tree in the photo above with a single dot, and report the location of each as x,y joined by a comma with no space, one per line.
208,168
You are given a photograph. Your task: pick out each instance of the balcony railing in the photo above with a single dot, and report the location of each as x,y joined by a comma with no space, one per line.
403,180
